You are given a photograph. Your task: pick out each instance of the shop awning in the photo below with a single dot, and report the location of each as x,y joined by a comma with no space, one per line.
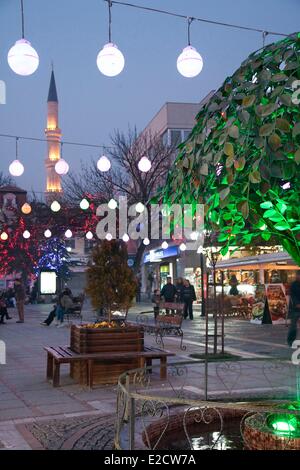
280,260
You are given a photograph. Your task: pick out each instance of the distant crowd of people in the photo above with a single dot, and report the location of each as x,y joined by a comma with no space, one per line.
181,292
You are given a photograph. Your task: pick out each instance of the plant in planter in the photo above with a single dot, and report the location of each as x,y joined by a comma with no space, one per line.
111,284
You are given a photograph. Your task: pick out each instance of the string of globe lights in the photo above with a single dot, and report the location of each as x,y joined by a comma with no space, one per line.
16,168
23,59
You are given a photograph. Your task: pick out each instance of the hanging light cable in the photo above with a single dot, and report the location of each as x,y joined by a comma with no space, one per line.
110,60
189,62
22,57
16,168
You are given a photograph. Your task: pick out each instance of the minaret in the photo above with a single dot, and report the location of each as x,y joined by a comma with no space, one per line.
53,134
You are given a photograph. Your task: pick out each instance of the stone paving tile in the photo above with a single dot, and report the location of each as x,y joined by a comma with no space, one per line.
62,408
14,413
10,404
12,440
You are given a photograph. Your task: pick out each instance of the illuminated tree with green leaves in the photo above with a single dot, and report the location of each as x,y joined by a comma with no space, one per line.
242,159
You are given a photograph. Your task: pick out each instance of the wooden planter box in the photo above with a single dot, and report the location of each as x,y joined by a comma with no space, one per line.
97,340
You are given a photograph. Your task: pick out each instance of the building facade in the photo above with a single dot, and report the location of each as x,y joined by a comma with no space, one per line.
172,124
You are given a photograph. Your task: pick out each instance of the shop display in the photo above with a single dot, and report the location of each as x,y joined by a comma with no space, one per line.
259,303
277,303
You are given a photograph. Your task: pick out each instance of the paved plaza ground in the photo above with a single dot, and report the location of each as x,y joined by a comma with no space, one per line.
35,415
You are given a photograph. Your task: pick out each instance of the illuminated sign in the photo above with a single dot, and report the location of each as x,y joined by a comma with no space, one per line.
48,282
155,256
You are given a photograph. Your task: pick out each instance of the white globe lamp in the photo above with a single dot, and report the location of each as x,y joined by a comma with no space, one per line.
16,168
112,204
4,236
164,245
189,62
84,204
61,167
68,233
47,233
103,164
182,247
89,235
23,58
108,237
140,207
110,60
55,206
144,164
125,238
146,241
26,234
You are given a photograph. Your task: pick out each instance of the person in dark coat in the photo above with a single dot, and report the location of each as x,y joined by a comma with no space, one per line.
168,292
179,289
233,282
188,297
3,310
156,301
295,309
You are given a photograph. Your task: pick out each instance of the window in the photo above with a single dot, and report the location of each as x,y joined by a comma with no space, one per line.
186,134
175,137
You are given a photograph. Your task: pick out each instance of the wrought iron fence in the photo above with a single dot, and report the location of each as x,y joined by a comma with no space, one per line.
154,414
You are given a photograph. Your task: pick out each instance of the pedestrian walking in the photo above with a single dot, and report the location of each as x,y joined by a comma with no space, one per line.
188,297
168,292
294,309
20,299
156,301
179,289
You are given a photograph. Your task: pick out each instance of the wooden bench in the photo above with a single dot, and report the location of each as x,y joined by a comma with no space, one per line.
164,324
57,355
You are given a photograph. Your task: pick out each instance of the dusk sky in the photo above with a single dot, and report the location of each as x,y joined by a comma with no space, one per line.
71,33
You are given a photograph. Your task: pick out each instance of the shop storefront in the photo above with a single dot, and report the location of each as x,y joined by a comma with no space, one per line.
261,284
159,264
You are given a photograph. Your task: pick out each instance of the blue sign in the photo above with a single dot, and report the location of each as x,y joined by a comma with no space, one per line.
157,255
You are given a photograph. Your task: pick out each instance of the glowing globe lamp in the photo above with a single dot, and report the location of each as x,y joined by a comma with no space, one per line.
26,234
55,206
61,167
84,204
125,238
47,233
23,58
68,233
164,245
140,207
103,164
4,236
110,60
189,62
112,204
182,247
144,164
16,168
26,208
89,235
146,241
108,236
